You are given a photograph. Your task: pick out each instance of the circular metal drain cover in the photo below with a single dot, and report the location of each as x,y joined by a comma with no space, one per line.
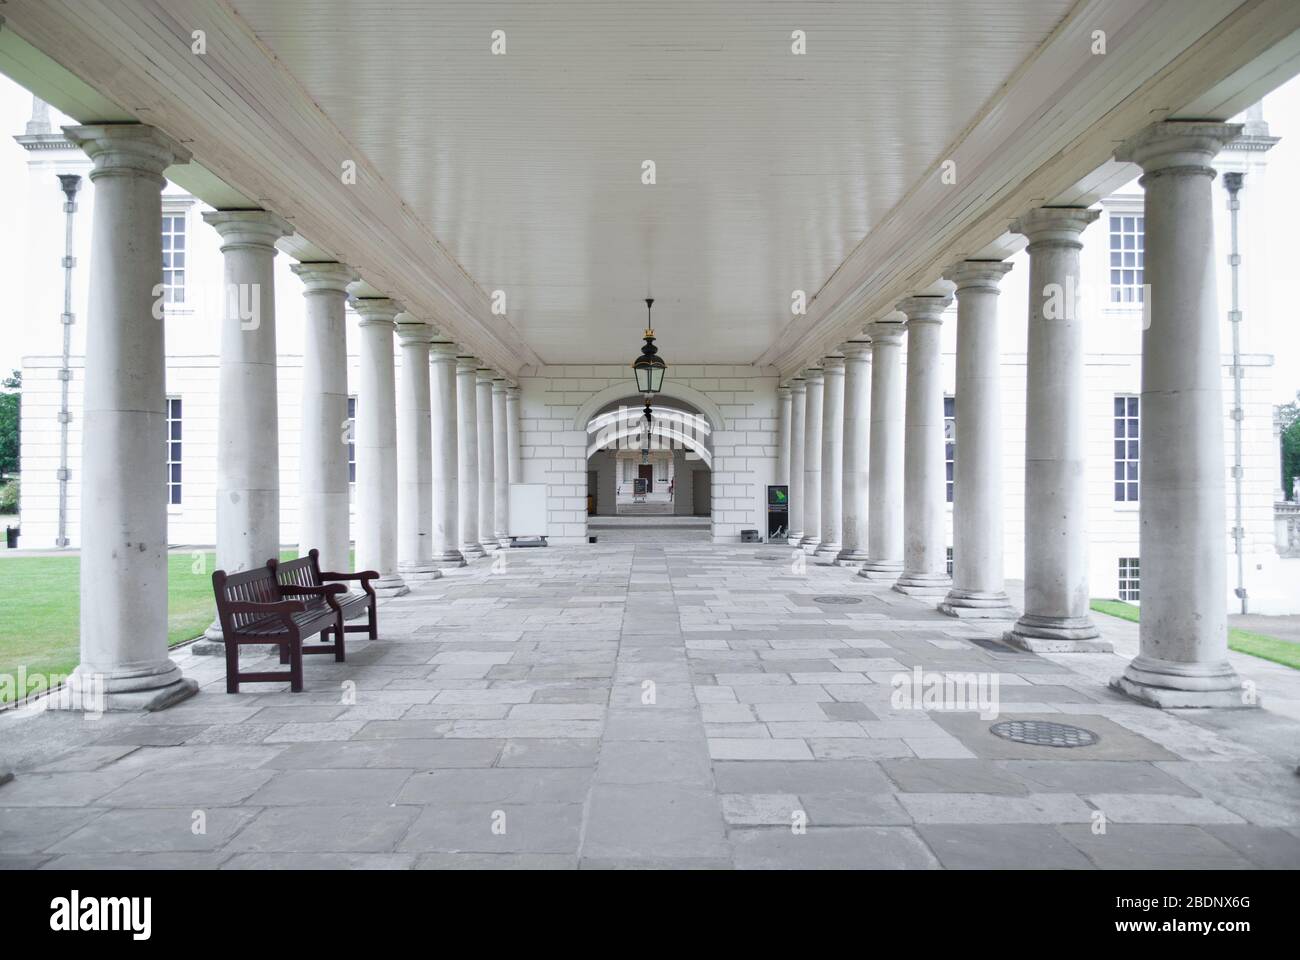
1044,733
837,598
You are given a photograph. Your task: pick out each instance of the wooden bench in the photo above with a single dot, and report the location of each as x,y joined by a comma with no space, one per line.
253,608
304,577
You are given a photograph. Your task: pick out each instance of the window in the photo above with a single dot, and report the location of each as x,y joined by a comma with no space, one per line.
949,438
1129,581
950,561
1127,446
174,450
352,441
173,257
1126,255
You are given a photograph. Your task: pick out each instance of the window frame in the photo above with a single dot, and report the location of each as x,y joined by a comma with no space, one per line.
950,444
175,441
181,210
1128,587
1121,207
1130,437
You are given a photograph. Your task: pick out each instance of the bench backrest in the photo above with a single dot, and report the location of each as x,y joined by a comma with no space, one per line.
251,586
301,572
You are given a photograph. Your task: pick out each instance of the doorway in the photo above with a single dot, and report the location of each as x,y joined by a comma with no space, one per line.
646,472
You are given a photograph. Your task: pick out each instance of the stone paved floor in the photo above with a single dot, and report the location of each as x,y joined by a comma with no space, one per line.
669,704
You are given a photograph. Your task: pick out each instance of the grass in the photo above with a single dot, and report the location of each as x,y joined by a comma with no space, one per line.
1243,641
40,611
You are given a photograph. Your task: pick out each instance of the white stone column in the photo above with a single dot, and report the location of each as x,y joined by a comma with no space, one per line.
513,454
1056,616
445,551
832,507
783,407
467,454
500,463
857,451
124,662
323,451
487,484
885,493
925,555
978,588
415,454
376,446
798,423
1182,659
248,413
812,460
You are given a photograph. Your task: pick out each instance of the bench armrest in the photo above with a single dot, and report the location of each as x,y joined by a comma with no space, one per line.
281,607
365,576
326,590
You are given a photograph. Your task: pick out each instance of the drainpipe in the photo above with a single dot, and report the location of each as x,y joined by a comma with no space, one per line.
71,183
1232,182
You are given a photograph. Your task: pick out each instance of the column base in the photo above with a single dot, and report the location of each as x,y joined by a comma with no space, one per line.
851,558
1039,634
126,692
809,545
794,539
830,551
449,560
884,570
211,644
390,585
489,546
1173,685
472,551
978,605
422,570
926,585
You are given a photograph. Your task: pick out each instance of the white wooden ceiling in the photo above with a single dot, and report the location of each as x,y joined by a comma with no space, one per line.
771,167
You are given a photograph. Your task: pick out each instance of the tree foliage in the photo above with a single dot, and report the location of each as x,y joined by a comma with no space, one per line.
10,405
1290,413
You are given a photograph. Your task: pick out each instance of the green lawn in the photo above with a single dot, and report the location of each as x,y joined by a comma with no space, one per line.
1255,644
40,609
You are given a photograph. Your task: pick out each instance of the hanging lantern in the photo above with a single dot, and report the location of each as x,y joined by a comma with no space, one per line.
649,367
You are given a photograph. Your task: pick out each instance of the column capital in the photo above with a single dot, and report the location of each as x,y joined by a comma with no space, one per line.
466,363
977,274
442,351
887,332
798,385
512,391
857,349
130,149
1178,146
500,384
376,310
485,375
248,229
814,375
783,391
324,276
412,331
833,366
924,309
1054,226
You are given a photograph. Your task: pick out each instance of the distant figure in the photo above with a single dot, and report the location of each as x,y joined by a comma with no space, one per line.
670,489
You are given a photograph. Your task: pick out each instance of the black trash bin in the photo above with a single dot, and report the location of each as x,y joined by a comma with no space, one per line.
749,536
11,538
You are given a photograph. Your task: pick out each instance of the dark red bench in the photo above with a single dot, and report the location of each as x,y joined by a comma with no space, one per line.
252,607
304,577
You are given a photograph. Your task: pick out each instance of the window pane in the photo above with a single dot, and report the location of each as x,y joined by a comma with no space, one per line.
1132,406
1133,453
1119,492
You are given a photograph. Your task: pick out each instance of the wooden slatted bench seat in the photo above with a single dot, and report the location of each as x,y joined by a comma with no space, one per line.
253,608
304,577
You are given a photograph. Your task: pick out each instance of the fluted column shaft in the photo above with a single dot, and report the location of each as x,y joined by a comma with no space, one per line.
1183,636
857,451
323,514
487,481
832,506
415,454
248,413
798,423
123,591
501,464
885,494
467,454
783,407
1056,616
978,588
443,430
376,446
812,459
925,560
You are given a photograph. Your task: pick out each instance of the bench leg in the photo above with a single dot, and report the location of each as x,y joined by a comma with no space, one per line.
374,621
232,665
339,633
295,664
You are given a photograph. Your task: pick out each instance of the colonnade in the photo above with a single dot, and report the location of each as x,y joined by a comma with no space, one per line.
861,443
